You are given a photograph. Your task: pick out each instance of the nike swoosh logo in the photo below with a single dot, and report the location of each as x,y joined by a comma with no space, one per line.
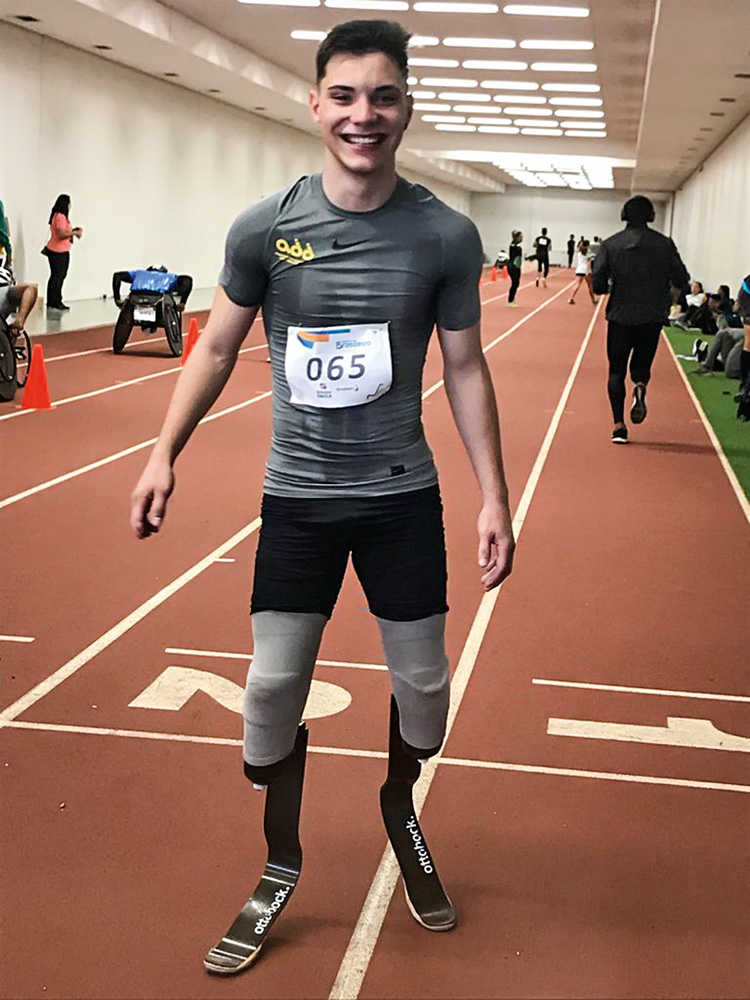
345,246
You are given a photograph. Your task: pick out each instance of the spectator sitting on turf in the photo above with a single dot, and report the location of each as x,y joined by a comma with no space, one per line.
694,299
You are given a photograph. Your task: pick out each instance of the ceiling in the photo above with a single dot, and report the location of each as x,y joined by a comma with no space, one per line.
671,77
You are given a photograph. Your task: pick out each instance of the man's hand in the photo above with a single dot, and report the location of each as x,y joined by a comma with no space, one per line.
148,504
496,544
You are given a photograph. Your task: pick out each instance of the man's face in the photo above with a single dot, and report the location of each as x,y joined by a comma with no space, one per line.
362,111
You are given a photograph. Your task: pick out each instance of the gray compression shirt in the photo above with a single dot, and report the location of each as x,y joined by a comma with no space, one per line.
411,263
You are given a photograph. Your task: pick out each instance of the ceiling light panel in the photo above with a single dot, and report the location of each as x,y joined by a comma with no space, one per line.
581,125
442,63
540,112
578,113
367,4
450,95
552,179
456,8
545,10
456,128
541,131
420,41
283,3
309,36
518,99
504,65
589,135
583,102
447,81
554,67
490,121
543,43
574,88
498,129
509,85
533,123
431,106
424,95
480,43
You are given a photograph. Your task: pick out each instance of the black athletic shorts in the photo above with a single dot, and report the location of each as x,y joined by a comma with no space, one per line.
396,542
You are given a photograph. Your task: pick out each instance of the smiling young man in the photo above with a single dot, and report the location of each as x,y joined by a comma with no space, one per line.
353,268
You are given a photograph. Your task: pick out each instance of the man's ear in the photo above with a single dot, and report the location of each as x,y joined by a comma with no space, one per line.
409,109
313,103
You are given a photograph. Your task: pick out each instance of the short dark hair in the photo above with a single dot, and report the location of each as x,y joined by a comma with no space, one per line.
638,209
360,38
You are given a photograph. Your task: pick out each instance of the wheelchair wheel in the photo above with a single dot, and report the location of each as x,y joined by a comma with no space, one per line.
7,367
123,328
173,328
22,351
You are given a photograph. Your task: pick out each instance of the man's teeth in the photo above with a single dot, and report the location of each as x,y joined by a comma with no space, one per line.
363,140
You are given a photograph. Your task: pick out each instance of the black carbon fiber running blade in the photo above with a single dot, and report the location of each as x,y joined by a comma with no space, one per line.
242,942
427,899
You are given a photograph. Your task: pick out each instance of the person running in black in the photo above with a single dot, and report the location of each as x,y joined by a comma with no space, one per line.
637,266
571,249
515,260
542,246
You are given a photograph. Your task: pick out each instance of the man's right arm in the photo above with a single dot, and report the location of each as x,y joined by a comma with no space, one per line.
679,275
204,376
600,274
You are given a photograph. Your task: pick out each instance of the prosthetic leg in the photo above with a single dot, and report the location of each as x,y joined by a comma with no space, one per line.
425,896
241,944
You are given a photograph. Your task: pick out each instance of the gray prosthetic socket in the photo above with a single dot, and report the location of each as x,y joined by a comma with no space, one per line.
415,654
285,648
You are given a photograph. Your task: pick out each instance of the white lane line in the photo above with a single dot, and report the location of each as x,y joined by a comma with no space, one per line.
362,944
114,386
491,765
119,454
73,665
214,654
730,473
702,695
438,385
16,638
226,560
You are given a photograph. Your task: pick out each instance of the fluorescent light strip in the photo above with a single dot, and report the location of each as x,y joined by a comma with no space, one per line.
489,121
309,36
420,41
538,112
367,4
473,109
452,119
480,43
442,63
456,95
545,10
424,95
579,88
588,135
509,85
447,81
540,43
456,128
429,106
499,129
456,8
573,124
535,123
519,99
411,81
283,3
591,102
541,131
495,64
578,113
545,67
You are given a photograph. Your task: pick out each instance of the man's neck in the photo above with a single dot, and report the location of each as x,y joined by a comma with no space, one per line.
357,192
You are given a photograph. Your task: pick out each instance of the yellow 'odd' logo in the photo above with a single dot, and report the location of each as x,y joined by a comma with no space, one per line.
293,253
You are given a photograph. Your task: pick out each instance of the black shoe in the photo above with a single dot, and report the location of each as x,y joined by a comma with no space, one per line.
638,410
700,350
64,308
620,435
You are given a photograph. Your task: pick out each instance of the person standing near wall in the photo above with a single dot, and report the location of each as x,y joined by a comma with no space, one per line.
571,249
515,260
57,249
638,266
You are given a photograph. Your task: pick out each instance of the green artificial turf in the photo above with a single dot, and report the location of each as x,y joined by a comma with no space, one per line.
716,395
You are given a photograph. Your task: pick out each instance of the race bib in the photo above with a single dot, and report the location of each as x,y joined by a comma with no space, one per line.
338,366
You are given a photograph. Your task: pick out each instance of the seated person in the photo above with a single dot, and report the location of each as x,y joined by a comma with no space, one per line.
15,300
154,279
695,300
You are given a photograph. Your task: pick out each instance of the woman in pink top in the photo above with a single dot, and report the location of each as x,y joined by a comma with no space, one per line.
57,250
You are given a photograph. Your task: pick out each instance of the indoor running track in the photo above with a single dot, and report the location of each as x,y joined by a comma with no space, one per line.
590,809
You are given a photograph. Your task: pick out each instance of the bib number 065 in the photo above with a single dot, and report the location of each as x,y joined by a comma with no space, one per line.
335,370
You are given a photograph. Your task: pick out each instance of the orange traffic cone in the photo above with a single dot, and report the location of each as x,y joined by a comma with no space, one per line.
36,393
192,339
504,272
493,273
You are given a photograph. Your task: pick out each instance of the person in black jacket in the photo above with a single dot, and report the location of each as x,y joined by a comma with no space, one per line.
638,267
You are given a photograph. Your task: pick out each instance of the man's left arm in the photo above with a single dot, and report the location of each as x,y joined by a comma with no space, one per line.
472,400
600,273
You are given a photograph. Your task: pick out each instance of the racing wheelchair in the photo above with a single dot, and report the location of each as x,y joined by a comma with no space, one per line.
156,300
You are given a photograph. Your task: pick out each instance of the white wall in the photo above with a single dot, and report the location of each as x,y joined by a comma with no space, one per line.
156,173
711,221
589,214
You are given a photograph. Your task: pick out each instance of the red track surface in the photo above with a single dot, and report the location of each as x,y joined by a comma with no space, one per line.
127,855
